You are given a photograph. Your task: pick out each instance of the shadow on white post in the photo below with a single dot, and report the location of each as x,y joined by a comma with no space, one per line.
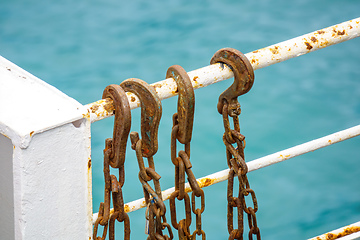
45,161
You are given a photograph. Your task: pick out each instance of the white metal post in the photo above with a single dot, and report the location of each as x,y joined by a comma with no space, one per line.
45,160
6,188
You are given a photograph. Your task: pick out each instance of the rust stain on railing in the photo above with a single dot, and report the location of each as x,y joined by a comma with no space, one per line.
302,44
336,235
259,59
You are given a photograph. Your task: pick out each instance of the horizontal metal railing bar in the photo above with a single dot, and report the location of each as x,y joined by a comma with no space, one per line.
341,232
257,164
259,59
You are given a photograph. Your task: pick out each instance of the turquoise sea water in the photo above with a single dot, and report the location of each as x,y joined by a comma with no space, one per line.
81,46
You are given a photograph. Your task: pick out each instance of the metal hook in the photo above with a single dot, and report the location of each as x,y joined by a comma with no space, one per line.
122,124
243,78
186,102
151,111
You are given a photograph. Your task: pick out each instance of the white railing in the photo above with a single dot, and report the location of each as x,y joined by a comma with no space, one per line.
349,232
30,181
259,59
258,163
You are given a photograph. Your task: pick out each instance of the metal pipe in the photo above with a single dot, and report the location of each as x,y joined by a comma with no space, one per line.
259,59
258,163
341,232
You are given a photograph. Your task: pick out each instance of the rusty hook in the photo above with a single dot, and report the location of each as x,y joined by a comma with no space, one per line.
151,111
186,102
122,124
243,78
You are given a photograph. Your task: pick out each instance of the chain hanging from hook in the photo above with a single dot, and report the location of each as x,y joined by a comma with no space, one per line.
114,156
147,146
182,131
228,105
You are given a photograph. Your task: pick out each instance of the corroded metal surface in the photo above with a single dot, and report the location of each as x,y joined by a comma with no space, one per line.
243,77
122,124
182,131
339,233
147,146
304,44
151,111
186,102
259,59
228,106
114,156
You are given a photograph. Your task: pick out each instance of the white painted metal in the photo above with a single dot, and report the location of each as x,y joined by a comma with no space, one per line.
304,44
258,163
260,58
47,150
6,189
353,236
349,232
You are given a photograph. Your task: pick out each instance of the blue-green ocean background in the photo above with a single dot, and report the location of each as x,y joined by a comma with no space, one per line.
82,46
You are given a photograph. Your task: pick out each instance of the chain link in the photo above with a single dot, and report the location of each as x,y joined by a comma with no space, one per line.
237,165
228,105
182,131
156,206
114,155
147,147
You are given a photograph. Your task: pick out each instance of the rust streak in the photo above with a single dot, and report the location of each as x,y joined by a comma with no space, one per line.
188,189
89,164
314,39
87,115
126,208
195,78
94,108
109,106
176,91
255,61
308,46
206,182
341,33
157,85
345,232
275,50
31,133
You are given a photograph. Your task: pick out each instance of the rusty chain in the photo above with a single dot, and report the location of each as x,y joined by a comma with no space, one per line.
182,131
228,105
114,156
147,146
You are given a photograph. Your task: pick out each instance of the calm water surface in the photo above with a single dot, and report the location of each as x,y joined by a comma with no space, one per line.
81,46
